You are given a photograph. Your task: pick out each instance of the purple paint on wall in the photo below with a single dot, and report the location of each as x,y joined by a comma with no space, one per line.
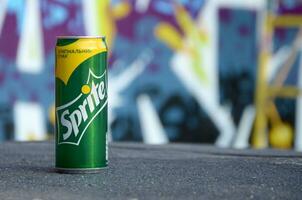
285,8
243,30
9,37
62,29
225,15
2,78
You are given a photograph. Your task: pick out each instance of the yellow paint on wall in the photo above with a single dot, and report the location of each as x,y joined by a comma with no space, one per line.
121,10
168,35
106,22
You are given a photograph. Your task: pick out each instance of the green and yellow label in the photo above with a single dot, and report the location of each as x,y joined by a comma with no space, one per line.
81,103
70,56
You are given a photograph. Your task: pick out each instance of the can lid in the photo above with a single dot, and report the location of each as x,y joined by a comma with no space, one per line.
80,37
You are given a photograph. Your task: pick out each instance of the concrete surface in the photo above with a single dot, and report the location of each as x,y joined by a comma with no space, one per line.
137,171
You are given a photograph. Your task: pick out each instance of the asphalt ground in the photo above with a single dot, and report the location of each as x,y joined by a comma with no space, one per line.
138,171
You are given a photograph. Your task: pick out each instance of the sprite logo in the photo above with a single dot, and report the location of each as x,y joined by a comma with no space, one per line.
74,117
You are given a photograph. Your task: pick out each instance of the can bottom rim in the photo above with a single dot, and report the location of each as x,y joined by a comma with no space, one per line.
79,170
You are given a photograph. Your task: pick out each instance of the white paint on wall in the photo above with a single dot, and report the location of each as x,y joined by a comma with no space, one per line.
30,52
245,128
141,6
29,121
152,129
298,129
90,17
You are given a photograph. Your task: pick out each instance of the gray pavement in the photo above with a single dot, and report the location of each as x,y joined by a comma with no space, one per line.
137,171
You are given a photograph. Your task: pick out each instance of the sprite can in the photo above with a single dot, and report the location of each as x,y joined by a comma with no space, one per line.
81,104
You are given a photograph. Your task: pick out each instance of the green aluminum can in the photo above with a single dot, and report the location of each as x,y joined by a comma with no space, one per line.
81,104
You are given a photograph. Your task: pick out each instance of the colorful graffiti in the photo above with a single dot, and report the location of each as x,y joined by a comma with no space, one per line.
180,71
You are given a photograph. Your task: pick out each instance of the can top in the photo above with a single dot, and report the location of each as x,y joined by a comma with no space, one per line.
80,37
